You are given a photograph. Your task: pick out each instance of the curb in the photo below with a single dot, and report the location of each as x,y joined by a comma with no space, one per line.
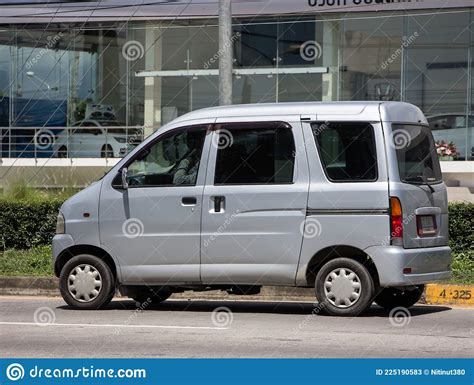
435,294
48,286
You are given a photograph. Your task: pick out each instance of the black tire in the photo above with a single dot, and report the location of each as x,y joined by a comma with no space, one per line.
62,152
151,295
107,152
390,297
362,287
105,291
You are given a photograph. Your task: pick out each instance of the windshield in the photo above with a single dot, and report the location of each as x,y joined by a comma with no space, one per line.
416,154
111,123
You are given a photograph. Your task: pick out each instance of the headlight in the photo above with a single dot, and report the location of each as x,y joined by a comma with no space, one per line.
120,139
60,224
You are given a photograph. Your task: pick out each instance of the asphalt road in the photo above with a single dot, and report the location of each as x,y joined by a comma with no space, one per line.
46,327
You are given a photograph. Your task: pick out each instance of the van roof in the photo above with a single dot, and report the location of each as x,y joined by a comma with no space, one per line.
364,110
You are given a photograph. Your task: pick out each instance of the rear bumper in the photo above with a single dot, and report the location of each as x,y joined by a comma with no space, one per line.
427,264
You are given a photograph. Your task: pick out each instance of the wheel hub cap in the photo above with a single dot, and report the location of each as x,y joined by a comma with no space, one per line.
342,287
84,283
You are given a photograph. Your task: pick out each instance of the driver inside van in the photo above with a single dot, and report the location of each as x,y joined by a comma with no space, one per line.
187,170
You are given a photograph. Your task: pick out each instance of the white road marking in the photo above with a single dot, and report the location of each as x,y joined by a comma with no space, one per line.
115,326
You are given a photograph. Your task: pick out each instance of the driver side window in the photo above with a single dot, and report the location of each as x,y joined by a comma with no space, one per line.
172,160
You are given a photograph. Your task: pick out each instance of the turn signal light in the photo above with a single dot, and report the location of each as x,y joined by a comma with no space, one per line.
396,218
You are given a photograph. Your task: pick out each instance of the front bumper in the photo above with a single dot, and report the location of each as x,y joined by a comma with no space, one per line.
61,242
427,264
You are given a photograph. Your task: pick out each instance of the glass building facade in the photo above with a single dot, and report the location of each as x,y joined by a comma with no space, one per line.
149,72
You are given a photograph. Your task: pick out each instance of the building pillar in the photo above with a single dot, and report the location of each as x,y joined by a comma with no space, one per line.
153,61
225,52
330,48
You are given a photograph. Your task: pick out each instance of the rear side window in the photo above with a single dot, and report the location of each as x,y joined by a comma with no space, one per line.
416,154
347,151
260,155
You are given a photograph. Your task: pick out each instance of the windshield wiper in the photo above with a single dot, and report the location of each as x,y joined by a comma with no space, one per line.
422,179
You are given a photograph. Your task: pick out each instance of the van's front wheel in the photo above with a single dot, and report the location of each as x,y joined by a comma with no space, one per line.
344,287
390,297
86,283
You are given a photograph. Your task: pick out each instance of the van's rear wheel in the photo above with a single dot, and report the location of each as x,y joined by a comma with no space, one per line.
86,283
344,287
390,297
62,152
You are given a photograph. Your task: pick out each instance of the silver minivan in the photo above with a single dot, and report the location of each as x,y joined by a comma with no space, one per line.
345,197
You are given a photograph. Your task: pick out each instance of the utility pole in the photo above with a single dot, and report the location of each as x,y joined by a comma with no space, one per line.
225,52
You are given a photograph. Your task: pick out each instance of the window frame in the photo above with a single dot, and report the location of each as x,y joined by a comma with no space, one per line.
257,125
324,167
206,127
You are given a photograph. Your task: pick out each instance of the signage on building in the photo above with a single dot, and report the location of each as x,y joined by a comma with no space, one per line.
21,11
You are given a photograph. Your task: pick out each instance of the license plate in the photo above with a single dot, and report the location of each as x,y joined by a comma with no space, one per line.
426,225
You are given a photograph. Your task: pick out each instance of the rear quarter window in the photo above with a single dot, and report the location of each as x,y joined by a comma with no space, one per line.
347,151
416,154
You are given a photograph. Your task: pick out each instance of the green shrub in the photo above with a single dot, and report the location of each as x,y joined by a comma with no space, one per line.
27,223
463,267
461,221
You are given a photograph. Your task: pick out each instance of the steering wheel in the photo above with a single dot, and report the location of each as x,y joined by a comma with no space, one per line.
180,160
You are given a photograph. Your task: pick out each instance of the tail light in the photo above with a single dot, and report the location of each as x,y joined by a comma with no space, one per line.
426,225
396,219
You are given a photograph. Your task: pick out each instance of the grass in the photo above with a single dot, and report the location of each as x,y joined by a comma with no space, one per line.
20,190
32,262
37,262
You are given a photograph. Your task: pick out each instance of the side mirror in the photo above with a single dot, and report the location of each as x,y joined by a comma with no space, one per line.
124,178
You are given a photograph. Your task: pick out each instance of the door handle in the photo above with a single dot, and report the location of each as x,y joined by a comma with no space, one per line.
189,201
218,201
